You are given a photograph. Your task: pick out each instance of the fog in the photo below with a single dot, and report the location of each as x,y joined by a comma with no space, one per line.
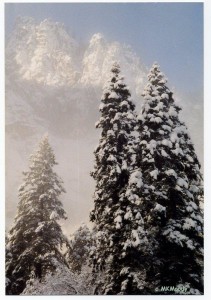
68,113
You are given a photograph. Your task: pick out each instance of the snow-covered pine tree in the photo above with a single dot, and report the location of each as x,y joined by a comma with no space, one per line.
117,219
170,188
36,238
81,244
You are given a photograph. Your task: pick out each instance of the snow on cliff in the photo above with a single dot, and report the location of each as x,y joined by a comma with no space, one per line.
100,56
54,84
46,53
43,52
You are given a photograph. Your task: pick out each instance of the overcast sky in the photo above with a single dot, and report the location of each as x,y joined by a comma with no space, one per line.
170,33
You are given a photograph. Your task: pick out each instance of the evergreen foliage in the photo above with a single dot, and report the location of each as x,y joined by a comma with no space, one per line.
171,188
35,240
81,245
118,221
148,221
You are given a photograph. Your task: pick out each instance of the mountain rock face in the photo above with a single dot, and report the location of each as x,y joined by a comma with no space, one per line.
54,85
99,57
47,54
43,52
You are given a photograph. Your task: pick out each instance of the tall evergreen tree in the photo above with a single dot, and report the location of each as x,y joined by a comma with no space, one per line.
35,240
117,219
170,189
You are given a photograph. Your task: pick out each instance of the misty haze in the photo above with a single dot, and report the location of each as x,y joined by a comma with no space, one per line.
60,95
54,85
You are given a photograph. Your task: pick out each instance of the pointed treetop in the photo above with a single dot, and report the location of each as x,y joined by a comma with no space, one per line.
155,76
44,139
155,65
44,152
115,86
115,67
45,136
